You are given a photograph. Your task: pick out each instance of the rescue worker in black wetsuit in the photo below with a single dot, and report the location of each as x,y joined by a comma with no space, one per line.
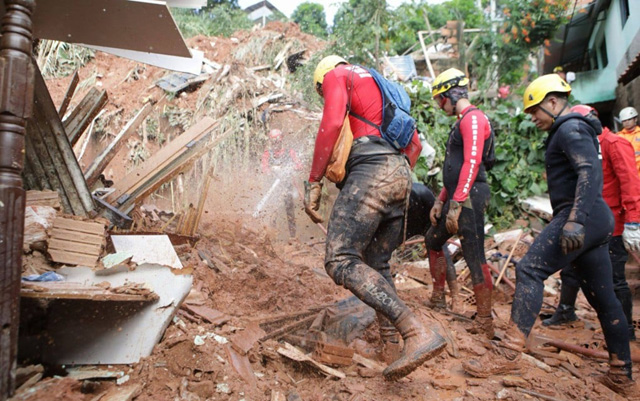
460,206
578,235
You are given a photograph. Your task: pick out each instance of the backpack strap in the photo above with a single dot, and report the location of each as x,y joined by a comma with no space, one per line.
361,118
364,120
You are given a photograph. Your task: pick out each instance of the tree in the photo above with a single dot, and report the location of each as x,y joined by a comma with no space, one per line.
526,25
359,28
213,3
311,18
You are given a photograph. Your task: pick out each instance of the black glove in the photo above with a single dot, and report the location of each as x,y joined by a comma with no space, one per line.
572,237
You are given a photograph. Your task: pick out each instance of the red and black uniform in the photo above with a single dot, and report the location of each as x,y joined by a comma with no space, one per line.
367,219
574,177
465,181
344,85
621,192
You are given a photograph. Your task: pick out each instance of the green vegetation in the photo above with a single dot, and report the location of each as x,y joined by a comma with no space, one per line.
364,31
59,59
311,18
220,20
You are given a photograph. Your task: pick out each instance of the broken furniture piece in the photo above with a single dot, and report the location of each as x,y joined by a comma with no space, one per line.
88,322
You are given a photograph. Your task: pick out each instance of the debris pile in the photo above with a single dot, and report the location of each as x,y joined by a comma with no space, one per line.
194,299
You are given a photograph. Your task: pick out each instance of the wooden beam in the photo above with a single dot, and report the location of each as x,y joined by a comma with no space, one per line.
185,159
82,115
160,159
69,94
102,160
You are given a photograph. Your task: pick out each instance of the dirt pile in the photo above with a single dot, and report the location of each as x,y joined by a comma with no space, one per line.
248,283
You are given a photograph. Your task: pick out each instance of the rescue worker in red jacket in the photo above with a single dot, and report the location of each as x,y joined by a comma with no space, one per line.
367,219
460,206
280,162
621,191
578,236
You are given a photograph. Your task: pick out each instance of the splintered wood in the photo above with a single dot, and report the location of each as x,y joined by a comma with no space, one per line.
76,242
69,290
43,198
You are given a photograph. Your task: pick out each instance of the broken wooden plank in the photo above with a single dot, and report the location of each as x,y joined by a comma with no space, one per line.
212,316
55,154
289,328
43,198
184,161
295,354
75,79
102,160
66,290
84,113
76,242
160,159
200,209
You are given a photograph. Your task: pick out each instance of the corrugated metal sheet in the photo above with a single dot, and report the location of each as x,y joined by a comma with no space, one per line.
50,162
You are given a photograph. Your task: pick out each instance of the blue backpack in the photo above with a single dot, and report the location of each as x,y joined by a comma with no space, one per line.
397,124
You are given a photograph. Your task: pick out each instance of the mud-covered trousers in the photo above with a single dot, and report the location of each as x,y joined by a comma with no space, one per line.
618,256
470,231
366,226
592,265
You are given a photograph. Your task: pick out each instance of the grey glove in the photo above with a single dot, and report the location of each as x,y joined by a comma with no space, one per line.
631,237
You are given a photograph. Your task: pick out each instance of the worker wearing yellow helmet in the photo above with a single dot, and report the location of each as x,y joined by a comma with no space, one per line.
367,218
461,204
577,236
631,131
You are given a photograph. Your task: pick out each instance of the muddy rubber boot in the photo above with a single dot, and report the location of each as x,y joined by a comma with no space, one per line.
504,356
564,314
389,339
483,323
619,380
420,345
438,270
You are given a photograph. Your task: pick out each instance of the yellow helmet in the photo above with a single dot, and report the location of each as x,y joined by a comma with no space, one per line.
324,66
541,87
447,80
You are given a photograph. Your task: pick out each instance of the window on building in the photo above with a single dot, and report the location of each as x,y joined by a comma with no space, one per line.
602,53
624,11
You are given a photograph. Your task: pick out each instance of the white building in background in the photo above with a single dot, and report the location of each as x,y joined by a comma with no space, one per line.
259,11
